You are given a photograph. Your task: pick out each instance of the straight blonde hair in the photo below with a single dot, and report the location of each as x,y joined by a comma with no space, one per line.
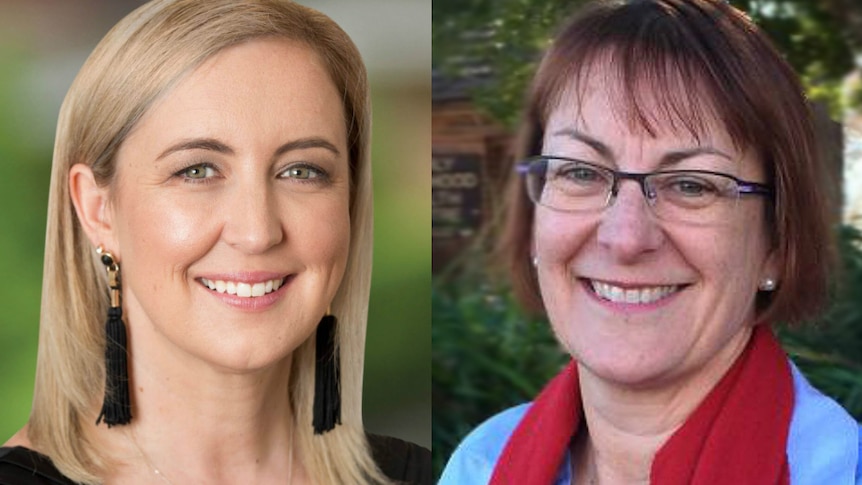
137,62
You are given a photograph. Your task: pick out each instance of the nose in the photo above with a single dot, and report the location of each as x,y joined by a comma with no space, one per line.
627,227
253,223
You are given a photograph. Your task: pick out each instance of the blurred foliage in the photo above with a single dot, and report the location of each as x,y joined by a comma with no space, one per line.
819,39
829,350
815,38
399,312
504,36
488,355
23,203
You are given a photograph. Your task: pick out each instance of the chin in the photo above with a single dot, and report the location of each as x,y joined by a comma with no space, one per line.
246,356
243,363
631,375
635,367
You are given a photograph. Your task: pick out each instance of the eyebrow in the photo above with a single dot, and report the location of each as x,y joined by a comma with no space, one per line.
305,143
669,158
214,145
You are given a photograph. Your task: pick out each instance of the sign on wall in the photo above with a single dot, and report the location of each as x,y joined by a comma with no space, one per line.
456,196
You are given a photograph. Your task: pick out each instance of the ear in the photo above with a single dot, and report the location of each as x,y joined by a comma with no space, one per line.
92,205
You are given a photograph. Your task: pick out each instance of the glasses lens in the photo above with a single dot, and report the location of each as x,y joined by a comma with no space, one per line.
568,185
692,196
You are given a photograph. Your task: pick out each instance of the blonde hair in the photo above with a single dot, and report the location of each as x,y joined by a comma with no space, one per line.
138,61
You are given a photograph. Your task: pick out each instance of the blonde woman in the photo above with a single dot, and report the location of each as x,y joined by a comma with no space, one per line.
207,259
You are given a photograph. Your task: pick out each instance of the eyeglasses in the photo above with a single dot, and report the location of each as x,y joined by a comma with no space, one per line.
691,196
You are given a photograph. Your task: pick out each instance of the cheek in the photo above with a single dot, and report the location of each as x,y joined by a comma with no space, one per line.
160,235
732,256
322,232
164,225
558,240
558,237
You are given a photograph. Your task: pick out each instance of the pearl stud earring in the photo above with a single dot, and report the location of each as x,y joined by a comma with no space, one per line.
768,284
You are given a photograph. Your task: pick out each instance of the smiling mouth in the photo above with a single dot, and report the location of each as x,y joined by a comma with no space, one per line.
243,289
633,295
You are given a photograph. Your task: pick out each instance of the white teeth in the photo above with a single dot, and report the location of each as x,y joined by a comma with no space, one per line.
244,290
632,295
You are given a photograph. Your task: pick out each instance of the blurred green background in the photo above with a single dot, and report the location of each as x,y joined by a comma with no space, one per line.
43,44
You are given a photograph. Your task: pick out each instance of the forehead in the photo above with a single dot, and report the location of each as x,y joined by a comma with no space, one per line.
644,101
270,77
263,68
639,122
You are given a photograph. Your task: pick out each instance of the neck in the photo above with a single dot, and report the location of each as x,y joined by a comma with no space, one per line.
199,424
625,427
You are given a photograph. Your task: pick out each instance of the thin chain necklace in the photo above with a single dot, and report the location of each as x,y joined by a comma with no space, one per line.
146,458
167,480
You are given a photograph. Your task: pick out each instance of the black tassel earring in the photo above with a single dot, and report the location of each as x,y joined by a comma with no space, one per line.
116,408
327,396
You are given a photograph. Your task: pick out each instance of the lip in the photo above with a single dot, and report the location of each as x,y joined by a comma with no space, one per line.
624,307
255,304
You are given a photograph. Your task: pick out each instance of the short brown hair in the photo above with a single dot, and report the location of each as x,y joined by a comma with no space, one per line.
738,78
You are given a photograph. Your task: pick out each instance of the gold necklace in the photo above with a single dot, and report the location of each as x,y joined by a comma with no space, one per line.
146,458
165,479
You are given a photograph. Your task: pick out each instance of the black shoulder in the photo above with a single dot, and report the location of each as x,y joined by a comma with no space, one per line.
401,461
23,466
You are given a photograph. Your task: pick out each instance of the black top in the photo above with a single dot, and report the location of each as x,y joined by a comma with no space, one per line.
399,460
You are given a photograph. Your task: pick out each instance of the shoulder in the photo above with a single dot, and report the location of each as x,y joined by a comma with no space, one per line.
859,460
823,441
401,460
23,466
474,459
21,438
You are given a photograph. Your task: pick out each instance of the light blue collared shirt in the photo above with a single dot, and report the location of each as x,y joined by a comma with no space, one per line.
823,446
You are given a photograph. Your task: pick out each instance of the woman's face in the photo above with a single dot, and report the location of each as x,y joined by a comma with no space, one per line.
698,281
230,210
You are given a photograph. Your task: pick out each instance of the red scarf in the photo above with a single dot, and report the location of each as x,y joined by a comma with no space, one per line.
737,435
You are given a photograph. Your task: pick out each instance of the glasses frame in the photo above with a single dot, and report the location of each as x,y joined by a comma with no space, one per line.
537,166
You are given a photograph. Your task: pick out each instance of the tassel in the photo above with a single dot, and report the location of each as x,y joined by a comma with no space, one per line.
327,396
116,408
